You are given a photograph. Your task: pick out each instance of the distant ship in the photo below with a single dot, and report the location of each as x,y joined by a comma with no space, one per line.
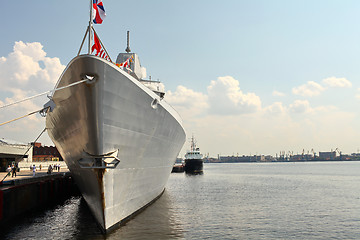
117,135
193,159
178,166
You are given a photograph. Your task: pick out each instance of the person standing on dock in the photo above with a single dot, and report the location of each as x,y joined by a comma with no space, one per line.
8,170
34,170
13,170
49,169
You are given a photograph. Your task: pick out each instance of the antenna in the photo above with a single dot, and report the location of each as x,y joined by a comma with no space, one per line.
128,42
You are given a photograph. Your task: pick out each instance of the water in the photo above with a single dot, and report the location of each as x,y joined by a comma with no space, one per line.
229,201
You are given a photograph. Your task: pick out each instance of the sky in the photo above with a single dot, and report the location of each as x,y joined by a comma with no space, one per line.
247,77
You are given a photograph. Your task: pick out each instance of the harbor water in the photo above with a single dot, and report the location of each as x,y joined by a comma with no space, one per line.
318,200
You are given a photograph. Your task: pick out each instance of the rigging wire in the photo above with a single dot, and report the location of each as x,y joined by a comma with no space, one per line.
26,152
26,115
34,142
44,93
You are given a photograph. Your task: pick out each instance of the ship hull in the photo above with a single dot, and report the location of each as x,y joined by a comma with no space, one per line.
113,113
193,166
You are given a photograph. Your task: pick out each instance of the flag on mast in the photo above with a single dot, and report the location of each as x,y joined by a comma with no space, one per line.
98,11
126,63
99,50
97,45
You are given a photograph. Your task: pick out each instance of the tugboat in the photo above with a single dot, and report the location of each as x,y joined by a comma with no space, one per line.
193,159
178,166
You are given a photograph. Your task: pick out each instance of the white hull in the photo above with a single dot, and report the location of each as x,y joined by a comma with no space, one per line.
114,113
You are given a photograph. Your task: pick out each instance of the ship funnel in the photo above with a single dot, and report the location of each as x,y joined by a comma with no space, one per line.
128,42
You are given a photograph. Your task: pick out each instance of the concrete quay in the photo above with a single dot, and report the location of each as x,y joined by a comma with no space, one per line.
24,174
25,193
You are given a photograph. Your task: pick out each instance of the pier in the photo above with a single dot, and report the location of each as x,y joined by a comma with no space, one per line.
25,193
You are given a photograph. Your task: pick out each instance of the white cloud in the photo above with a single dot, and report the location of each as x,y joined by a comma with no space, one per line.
357,96
187,102
267,130
26,71
292,127
278,94
337,82
300,106
309,89
312,88
33,50
21,69
226,98
277,108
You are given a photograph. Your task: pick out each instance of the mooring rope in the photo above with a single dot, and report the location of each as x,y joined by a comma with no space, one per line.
25,152
26,115
34,142
44,93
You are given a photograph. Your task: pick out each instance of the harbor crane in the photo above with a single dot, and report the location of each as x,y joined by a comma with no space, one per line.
337,150
314,153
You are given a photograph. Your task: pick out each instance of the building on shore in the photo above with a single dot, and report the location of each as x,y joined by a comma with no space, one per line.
233,159
12,152
45,153
301,157
287,157
327,155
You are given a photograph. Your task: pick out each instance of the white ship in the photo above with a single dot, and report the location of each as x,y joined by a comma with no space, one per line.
116,133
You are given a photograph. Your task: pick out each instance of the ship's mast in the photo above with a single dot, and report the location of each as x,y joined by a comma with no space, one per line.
128,42
192,144
90,26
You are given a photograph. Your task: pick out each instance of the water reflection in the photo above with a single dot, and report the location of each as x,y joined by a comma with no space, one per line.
59,222
73,220
230,201
158,221
189,174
